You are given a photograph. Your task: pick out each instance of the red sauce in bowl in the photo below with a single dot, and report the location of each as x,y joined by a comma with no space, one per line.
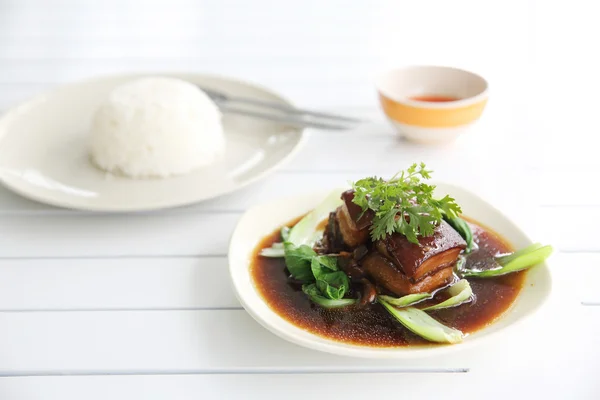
435,98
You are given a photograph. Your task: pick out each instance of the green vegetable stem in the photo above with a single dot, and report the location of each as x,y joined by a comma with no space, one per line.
305,231
315,296
520,260
422,324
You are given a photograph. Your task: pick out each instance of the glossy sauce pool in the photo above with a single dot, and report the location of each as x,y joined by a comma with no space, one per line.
372,325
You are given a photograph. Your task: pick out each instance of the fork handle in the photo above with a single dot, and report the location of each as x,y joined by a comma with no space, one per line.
289,120
292,110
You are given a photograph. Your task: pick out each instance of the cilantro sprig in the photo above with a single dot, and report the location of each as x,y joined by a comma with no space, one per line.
403,204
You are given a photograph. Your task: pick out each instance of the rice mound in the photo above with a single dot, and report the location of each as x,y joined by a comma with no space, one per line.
156,127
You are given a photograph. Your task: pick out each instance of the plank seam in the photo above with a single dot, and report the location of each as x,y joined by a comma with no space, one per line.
240,371
129,309
165,256
112,257
75,213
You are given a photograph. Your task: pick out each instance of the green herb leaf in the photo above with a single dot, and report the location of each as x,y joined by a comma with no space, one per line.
315,296
403,204
461,226
298,261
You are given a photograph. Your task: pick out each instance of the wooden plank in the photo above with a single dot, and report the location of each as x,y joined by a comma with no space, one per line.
193,387
165,341
71,40
192,45
478,384
124,284
581,271
570,229
412,386
97,235
184,283
288,182
12,202
56,70
193,233
279,185
220,342
384,156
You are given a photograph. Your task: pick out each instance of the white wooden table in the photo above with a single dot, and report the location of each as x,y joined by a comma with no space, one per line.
140,306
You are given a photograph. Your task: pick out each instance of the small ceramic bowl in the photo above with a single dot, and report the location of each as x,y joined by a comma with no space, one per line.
429,104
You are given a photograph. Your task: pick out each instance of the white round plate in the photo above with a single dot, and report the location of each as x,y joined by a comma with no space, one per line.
44,152
264,219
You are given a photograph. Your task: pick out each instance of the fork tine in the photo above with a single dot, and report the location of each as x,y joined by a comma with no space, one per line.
214,94
221,97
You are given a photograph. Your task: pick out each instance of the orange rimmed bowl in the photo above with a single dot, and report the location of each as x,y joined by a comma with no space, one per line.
430,104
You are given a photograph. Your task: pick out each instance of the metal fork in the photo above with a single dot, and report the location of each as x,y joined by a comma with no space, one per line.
283,113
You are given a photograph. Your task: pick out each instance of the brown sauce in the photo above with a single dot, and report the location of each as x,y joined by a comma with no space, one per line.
372,325
322,225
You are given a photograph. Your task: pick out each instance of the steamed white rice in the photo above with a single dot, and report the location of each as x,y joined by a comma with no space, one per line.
156,127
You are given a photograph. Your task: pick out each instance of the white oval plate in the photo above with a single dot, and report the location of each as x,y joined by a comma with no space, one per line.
264,219
44,154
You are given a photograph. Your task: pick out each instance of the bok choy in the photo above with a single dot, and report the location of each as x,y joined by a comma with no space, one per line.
285,233
519,260
305,231
315,296
330,281
461,293
324,283
407,300
298,261
422,324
